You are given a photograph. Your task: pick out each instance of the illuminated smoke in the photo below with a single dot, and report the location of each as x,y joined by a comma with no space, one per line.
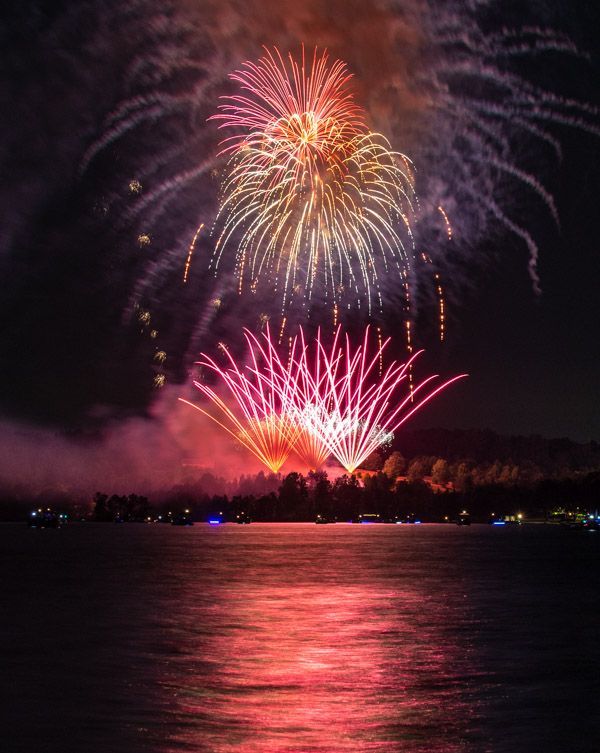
430,76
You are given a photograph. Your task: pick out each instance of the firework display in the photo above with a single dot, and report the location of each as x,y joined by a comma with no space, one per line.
312,199
351,401
324,400
311,196
467,96
255,414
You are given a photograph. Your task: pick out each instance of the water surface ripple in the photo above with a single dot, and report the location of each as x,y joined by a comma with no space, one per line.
300,639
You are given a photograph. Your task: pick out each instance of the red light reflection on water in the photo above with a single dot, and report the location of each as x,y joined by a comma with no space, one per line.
294,655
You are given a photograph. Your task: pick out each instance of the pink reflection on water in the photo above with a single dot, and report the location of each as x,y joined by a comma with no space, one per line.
307,659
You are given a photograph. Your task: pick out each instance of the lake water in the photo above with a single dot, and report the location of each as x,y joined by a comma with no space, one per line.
299,639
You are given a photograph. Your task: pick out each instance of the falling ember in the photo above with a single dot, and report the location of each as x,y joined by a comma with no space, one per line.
409,349
159,381
160,356
281,331
135,186
311,195
409,346
441,300
440,292
188,261
447,221
144,240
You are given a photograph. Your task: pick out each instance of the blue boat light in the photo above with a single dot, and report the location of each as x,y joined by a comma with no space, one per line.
214,522
499,523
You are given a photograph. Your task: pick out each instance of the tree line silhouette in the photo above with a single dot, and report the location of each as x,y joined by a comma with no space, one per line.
476,470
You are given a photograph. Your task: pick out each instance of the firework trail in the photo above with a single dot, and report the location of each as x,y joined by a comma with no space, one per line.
324,400
303,386
188,261
312,197
311,390
254,413
351,408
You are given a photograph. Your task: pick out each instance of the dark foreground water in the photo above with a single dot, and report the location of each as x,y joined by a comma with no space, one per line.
299,639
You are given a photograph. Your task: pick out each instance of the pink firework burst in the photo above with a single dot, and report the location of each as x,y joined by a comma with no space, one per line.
352,402
302,111
253,407
322,400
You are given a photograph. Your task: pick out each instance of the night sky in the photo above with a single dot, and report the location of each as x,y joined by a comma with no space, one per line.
97,94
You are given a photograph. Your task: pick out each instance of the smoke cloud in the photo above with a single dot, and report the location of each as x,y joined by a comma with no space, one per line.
171,445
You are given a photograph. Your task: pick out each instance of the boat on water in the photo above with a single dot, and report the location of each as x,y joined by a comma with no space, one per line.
324,519
46,518
369,517
506,520
182,519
